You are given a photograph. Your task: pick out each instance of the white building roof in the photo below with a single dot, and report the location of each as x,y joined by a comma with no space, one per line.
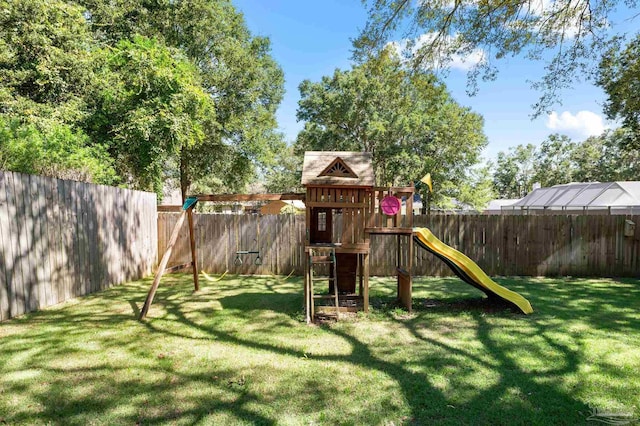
498,204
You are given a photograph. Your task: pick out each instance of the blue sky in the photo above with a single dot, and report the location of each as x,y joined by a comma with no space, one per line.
310,39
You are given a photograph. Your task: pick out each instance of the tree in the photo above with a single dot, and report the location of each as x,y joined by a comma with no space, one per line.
408,121
477,191
173,89
619,76
45,71
514,172
436,31
57,151
45,59
151,111
553,161
607,158
285,174
243,81
587,158
558,160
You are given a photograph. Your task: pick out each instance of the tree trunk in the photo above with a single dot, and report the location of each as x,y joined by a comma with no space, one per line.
185,182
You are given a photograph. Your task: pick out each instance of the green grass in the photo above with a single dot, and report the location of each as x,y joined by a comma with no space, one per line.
238,352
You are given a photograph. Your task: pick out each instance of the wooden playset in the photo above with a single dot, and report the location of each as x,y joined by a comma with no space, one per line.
343,209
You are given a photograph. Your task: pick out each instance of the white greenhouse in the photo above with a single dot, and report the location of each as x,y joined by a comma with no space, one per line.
580,198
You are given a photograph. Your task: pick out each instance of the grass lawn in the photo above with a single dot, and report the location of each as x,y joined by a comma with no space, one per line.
238,352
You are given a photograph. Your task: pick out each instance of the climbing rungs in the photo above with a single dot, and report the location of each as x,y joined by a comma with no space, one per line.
329,259
324,296
331,310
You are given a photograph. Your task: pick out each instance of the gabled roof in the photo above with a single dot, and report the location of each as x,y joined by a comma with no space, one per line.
580,195
338,168
318,168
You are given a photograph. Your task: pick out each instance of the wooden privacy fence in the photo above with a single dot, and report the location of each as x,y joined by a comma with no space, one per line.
501,245
537,245
61,239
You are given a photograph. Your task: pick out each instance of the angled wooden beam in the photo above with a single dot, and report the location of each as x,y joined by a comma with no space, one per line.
163,265
187,207
192,243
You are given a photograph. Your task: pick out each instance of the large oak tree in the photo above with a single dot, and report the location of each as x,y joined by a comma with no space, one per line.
235,68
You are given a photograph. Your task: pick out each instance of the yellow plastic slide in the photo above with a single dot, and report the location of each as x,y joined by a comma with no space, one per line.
467,269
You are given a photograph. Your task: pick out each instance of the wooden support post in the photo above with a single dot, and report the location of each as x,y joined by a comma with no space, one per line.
409,211
312,303
371,211
404,278
365,296
163,265
410,271
398,265
307,297
192,241
360,274
307,224
335,283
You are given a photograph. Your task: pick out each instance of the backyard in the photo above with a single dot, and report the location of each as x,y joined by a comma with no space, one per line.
239,352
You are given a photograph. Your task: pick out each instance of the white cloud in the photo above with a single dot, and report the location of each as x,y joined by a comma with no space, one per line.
569,26
466,62
582,124
458,61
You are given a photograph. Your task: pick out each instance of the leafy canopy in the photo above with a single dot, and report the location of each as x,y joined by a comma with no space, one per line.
44,52
514,172
57,151
45,71
408,121
619,76
171,89
148,107
573,34
234,68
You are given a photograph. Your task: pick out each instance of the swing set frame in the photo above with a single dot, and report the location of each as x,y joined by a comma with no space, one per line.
186,211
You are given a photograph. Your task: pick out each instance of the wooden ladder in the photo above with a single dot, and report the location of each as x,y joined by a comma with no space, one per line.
324,259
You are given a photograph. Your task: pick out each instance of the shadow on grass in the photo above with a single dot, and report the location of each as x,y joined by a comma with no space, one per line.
451,362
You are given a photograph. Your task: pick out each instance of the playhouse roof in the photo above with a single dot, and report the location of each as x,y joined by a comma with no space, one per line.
346,168
573,196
